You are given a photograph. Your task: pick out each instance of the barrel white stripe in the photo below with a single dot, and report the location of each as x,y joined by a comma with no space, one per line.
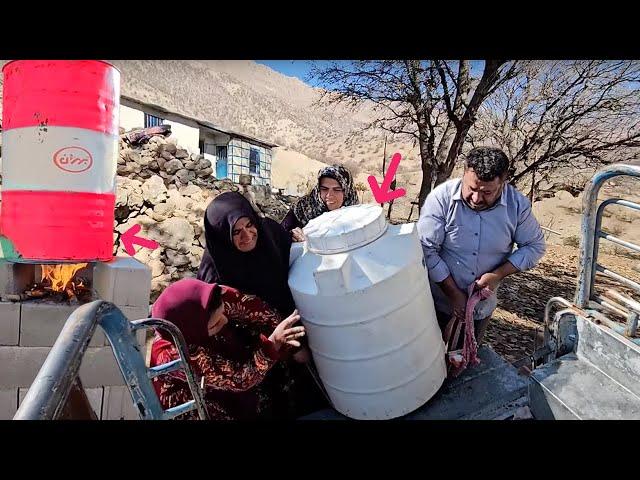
67,159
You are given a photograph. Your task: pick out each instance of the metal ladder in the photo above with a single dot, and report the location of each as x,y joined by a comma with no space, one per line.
48,393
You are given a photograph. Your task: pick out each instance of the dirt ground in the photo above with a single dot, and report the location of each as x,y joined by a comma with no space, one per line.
522,297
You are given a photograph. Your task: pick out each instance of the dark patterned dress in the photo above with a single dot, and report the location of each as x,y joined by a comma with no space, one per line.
240,380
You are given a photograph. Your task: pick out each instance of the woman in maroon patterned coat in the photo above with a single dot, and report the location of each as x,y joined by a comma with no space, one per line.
233,359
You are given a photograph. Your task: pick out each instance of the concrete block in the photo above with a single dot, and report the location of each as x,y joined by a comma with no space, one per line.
20,365
99,368
118,405
123,281
8,403
95,396
9,323
135,313
15,277
41,323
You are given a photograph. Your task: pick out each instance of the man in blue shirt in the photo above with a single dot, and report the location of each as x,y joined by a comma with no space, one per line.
468,228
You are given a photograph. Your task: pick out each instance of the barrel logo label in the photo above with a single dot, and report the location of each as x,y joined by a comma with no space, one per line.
73,159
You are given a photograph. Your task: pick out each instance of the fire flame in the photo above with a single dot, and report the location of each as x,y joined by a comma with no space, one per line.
61,276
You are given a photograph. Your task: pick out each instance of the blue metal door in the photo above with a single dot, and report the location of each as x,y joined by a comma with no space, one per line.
221,162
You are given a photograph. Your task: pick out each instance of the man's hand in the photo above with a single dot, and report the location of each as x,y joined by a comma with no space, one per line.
297,235
489,280
458,301
457,297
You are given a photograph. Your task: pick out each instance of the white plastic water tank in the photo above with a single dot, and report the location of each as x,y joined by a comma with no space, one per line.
364,298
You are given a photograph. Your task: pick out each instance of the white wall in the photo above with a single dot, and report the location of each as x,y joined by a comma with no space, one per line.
188,137
131,118
213,159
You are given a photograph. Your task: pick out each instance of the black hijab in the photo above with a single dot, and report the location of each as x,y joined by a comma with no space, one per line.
263,271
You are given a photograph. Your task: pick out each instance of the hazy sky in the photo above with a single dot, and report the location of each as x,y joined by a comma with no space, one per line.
301,68
294,68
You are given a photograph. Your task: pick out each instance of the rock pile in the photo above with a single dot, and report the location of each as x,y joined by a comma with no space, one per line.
166,190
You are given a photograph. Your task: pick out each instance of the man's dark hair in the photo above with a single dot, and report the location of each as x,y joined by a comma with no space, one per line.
487,163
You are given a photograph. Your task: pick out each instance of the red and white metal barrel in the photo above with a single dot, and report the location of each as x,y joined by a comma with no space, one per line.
59,159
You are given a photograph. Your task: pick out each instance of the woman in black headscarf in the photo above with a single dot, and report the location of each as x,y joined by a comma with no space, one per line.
251,254
334,190
246,252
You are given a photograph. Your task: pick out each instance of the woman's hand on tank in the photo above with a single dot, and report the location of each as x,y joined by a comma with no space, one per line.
297,235
285,334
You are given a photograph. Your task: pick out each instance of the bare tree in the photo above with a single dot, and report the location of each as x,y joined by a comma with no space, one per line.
556,114
435,102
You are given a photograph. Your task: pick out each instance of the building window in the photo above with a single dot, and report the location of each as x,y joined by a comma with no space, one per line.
254,161
152,121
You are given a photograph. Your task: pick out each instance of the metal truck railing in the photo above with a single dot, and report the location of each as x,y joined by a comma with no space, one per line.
592,233
48,393
587,302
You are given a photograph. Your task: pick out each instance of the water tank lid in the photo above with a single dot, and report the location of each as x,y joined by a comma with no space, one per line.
345,229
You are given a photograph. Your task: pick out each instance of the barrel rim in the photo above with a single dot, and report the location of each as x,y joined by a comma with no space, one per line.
72,60
314,239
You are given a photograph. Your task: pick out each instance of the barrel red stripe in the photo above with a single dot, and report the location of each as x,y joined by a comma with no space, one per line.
83,94
65,226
